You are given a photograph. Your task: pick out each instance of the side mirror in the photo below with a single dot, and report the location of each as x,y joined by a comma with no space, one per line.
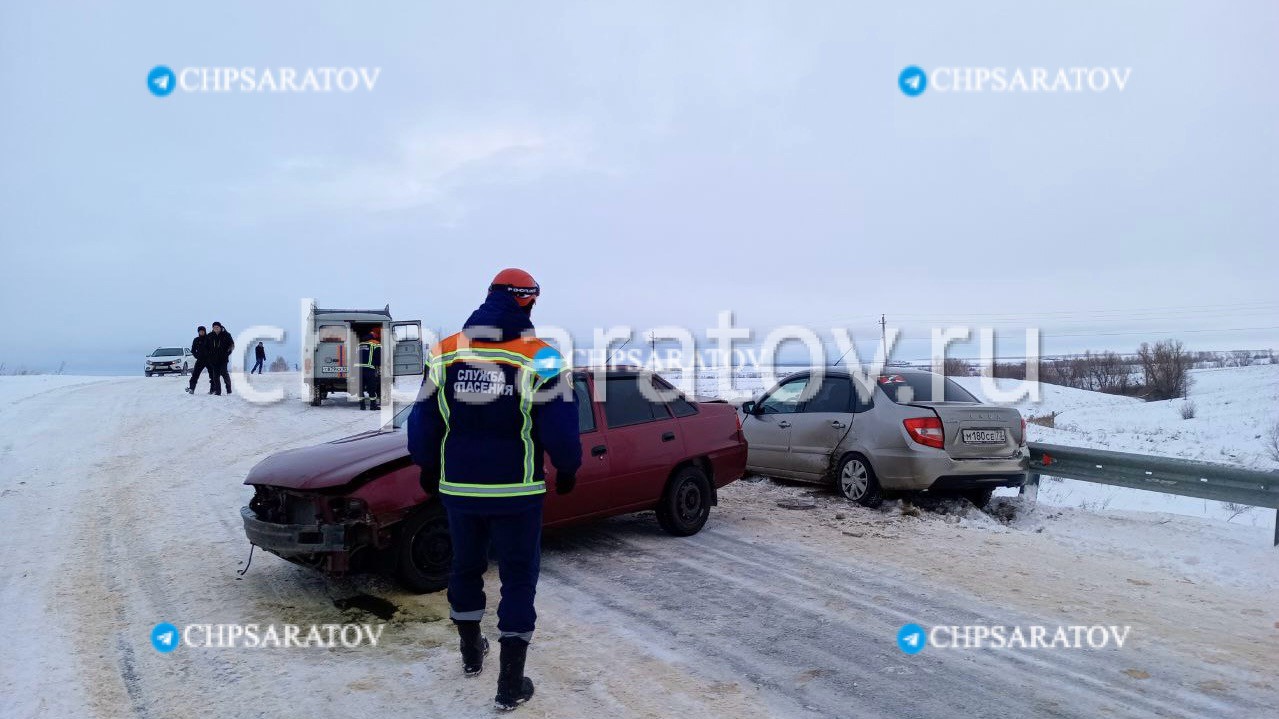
749,407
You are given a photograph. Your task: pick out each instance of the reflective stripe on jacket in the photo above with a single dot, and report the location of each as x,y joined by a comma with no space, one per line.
370,355
495,401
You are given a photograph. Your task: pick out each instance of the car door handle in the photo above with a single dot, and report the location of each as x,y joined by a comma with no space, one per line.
837,424
783,424
668,436
599,450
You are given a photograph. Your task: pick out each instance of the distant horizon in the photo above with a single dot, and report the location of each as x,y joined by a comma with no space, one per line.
124,368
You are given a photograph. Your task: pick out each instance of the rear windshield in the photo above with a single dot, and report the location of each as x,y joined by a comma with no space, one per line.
167,352
918,387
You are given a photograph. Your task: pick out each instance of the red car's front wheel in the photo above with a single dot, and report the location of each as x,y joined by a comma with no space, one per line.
424,550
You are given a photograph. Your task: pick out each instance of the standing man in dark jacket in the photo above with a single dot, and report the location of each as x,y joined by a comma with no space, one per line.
370,364
219,346
493,400
201,355
259,354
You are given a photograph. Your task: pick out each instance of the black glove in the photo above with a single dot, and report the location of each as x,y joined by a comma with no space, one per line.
565,482
430,481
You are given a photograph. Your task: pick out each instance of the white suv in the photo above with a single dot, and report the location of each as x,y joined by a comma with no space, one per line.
169,360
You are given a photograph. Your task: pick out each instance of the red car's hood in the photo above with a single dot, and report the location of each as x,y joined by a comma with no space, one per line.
331,464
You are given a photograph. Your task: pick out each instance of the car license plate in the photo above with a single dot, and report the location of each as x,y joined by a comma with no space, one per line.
984,436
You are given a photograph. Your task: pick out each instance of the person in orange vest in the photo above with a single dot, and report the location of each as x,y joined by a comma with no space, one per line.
494,399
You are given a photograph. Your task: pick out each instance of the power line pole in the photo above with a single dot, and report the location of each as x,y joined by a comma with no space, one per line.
883,335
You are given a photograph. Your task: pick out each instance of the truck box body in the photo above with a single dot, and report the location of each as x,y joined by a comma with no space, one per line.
330,350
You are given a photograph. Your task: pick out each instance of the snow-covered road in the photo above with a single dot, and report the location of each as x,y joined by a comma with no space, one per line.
120,501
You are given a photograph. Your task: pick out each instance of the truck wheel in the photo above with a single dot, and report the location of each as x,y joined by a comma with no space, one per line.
686,504
857,482
424,550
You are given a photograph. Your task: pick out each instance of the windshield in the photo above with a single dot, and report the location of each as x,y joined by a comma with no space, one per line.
918,387
168,352
402,417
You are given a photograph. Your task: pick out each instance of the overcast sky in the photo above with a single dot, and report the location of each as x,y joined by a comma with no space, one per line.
650,165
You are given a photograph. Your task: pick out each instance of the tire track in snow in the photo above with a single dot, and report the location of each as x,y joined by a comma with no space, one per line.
817,635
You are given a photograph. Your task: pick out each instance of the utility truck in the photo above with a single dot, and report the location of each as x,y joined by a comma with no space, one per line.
330,349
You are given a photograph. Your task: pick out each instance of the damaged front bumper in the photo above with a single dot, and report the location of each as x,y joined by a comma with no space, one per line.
294,539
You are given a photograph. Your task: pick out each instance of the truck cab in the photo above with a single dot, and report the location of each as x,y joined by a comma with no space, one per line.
330,349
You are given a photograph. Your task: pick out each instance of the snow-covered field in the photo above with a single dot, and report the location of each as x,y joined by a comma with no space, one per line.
120,500
1234,407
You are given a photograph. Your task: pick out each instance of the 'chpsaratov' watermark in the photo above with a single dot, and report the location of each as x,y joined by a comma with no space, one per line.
914,80
166,637
162,81
913,638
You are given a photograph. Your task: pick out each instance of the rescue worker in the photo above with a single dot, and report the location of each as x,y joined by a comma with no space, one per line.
259,354
494,398
370,365
220,346
200,353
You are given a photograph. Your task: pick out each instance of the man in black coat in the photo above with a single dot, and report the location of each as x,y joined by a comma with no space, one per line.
259,354
200,353
219,346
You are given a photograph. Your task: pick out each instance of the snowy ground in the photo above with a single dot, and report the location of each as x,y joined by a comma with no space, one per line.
120,500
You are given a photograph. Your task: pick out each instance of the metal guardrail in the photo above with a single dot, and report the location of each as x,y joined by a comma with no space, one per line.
1183,477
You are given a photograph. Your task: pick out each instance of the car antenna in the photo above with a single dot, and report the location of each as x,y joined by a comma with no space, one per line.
619,349
841,357
883,328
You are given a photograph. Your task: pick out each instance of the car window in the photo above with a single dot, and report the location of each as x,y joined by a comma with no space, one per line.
625,404
167,352
833,395
785,399
585,410
405,333
918,387
863,397
679,406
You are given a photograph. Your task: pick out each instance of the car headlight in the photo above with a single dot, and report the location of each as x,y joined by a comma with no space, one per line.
345,508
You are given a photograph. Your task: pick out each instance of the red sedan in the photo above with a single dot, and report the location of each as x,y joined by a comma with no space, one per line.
355,504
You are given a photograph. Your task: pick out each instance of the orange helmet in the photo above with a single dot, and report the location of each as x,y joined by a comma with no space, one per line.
519,283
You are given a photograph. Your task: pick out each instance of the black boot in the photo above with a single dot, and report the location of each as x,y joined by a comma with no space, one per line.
474,645
363,403
513,688
374,405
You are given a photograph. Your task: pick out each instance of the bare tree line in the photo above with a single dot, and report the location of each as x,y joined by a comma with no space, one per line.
1156,371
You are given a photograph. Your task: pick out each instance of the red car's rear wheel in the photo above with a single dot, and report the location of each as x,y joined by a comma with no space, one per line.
686,504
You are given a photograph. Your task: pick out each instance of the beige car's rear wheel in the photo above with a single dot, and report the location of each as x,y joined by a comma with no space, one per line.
857,482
